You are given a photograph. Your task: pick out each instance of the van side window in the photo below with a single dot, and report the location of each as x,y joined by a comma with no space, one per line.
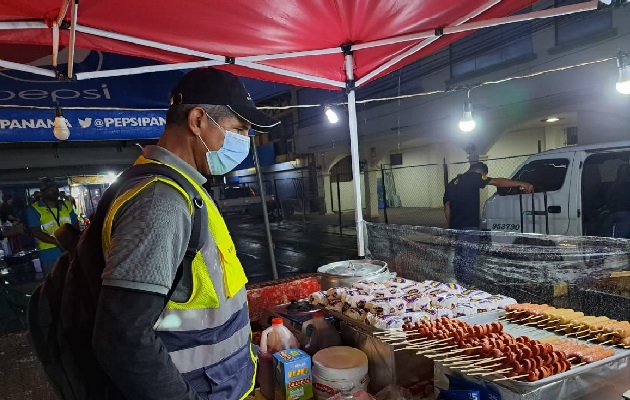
605,194
546,175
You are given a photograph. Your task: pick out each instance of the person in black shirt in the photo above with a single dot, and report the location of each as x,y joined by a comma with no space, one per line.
461,197
461,208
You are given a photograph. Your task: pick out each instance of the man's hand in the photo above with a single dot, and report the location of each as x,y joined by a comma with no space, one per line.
527,187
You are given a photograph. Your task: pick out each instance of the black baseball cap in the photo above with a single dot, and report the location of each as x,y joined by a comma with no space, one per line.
221,88
48,183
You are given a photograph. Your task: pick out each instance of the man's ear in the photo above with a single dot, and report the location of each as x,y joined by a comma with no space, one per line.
196,118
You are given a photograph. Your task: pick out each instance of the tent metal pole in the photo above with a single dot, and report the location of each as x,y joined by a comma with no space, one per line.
27,68
22,25
354,152
73,35
62,11
284,72
295,54
148,43
145,69
484,7
55,44
429,33
263,202
542,14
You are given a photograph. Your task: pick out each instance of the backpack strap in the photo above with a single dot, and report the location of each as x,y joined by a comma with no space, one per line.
198,235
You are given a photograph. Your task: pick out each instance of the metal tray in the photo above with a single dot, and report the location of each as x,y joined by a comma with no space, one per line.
536,333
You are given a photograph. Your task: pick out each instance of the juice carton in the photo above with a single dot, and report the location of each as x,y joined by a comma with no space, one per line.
292,369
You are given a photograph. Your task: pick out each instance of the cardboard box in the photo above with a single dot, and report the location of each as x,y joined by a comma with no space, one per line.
292,370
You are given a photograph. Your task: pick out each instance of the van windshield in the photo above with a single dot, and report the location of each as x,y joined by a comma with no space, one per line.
546,175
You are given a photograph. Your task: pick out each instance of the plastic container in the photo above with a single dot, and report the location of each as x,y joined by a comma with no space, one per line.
318,334
275,338
337,368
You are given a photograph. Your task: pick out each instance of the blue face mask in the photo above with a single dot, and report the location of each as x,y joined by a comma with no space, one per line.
234,150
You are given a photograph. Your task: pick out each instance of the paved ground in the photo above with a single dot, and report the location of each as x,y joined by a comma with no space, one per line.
403,216
299,248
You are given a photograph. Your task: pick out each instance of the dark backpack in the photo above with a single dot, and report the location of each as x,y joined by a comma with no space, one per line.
62,309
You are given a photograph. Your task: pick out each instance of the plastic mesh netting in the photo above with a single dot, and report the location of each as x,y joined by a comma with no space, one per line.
584,273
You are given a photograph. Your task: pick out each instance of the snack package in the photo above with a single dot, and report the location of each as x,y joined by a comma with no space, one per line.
416,302
391,291
464,309
335,305
386,306
357,314
476,294
384,321
336,292
356,298
318,299
442,312
447,300
368,286
454,287
416,316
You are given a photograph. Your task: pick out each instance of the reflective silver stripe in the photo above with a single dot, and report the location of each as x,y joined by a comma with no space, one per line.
203,356
51,224
198,319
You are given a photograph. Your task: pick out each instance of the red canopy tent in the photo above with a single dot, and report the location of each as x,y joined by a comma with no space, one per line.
333,44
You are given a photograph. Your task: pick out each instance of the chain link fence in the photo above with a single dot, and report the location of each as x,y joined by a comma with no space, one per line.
409,195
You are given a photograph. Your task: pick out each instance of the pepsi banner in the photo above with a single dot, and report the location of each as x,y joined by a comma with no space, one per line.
114,108
37,125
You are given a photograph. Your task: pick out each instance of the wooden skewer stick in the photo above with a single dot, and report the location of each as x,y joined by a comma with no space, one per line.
501,371
450,352
436,341
578,365
433,350
583,336
484,361
505,378
419,340
482,368
432,345
460,358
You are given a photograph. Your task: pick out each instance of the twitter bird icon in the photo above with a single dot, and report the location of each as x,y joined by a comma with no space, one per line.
85,123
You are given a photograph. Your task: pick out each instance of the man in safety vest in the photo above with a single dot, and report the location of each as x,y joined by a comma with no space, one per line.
198,346
44,217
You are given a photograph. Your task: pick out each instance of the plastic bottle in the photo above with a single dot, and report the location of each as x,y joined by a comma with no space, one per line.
318,334
275,338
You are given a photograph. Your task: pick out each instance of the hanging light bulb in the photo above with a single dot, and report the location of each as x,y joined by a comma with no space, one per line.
332,116
623,84
467,123
61,130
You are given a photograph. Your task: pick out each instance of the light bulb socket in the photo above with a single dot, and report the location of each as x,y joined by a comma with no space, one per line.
467,107
58,112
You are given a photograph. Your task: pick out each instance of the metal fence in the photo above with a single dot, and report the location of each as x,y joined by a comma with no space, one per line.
414,195
410,195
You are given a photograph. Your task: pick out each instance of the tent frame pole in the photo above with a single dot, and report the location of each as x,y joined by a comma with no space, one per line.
11,25
73,35
146,69
354,152
27,68
263,203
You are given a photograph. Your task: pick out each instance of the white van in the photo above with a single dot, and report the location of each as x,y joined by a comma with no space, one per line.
579,190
